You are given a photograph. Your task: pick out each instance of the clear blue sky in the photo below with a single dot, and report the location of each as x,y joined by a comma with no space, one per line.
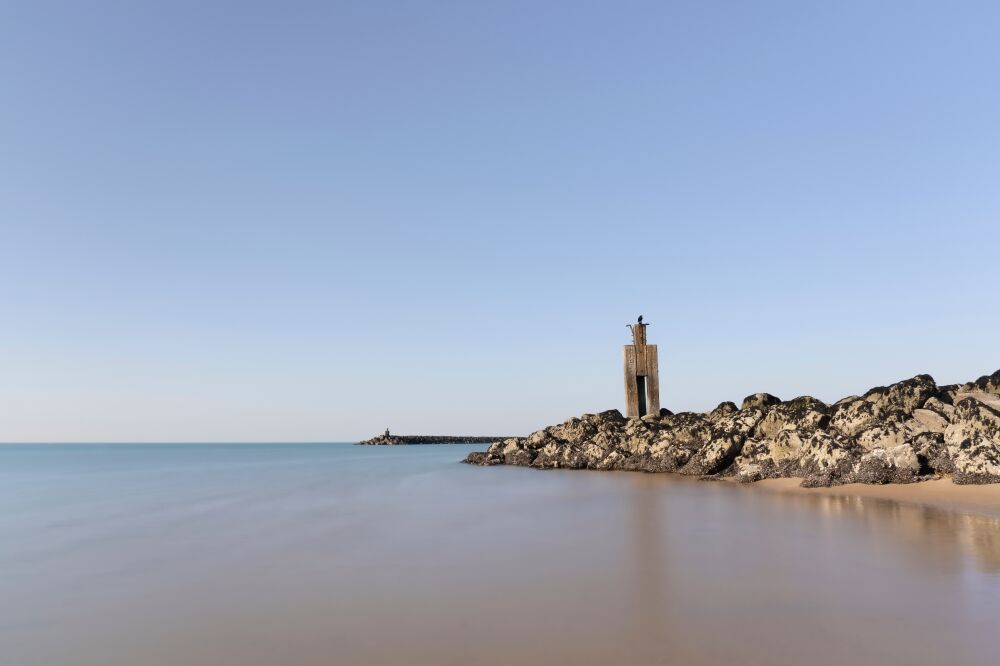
313,220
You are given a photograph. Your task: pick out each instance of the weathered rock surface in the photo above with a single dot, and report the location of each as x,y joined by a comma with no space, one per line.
973,442
905,432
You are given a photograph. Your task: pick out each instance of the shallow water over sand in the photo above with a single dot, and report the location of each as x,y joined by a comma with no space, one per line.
336,554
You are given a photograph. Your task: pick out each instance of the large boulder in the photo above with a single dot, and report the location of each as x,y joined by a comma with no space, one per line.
715,456
932,453
972,391
804,413
898,464
769,458
989,383
787,446
973,441
882,436
904,396
754,462
852,415
882,405
760,401
557,455
514,453
729,430
663,456
688,429
827,459
927,420
482,458
937,405
724,410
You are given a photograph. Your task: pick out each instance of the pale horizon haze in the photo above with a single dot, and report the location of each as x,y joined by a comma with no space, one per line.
310,221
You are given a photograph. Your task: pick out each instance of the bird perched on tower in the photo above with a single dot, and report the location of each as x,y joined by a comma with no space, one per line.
640,319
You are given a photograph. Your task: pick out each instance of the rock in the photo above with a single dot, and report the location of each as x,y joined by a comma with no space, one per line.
898,464
902,397
689,429
881,405
723,410
742,422
754,461
787,446
667,455
761,401
715,456
514,454
938,406
893,434
750,473
805,413
852,415
932,453
981,396
827,459
771,457
927,420
556,456
613,460
989,383
482,458
882,436
973,441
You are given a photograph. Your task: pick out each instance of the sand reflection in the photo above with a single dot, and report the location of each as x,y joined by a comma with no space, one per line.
936,536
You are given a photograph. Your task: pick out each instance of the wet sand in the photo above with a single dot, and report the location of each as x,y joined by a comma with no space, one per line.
367,556
939,493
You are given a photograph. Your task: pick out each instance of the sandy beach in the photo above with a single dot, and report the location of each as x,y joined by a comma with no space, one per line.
938,493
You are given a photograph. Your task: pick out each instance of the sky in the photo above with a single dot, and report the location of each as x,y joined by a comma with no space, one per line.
310,221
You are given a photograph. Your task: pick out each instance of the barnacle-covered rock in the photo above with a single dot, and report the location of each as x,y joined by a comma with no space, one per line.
893,434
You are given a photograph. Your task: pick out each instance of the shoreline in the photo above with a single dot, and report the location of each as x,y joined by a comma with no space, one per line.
941,494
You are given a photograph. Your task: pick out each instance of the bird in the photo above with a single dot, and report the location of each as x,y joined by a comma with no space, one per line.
640,319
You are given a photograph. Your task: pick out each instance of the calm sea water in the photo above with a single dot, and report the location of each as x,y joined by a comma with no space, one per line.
339,555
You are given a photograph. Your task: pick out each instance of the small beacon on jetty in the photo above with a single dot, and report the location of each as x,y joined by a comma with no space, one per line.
642,377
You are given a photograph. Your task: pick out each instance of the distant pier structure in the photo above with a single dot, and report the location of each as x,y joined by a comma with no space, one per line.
642,376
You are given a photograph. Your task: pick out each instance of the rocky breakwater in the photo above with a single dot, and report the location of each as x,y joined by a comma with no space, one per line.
392,440
909,431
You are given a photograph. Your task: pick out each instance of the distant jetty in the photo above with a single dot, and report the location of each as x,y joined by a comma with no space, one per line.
386,439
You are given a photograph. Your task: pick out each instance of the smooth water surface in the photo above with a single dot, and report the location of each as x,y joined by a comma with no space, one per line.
338,555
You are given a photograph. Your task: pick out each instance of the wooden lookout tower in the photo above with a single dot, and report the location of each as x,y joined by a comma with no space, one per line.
642,377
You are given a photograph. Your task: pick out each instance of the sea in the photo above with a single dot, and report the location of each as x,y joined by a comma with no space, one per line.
340,555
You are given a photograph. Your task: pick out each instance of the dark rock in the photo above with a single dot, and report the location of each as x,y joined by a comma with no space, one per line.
715,456
899,464
805,413
932,454
759,401
723,410
482,458
989,383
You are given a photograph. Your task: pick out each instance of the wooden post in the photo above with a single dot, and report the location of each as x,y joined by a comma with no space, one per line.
641,361
652,380
631,385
